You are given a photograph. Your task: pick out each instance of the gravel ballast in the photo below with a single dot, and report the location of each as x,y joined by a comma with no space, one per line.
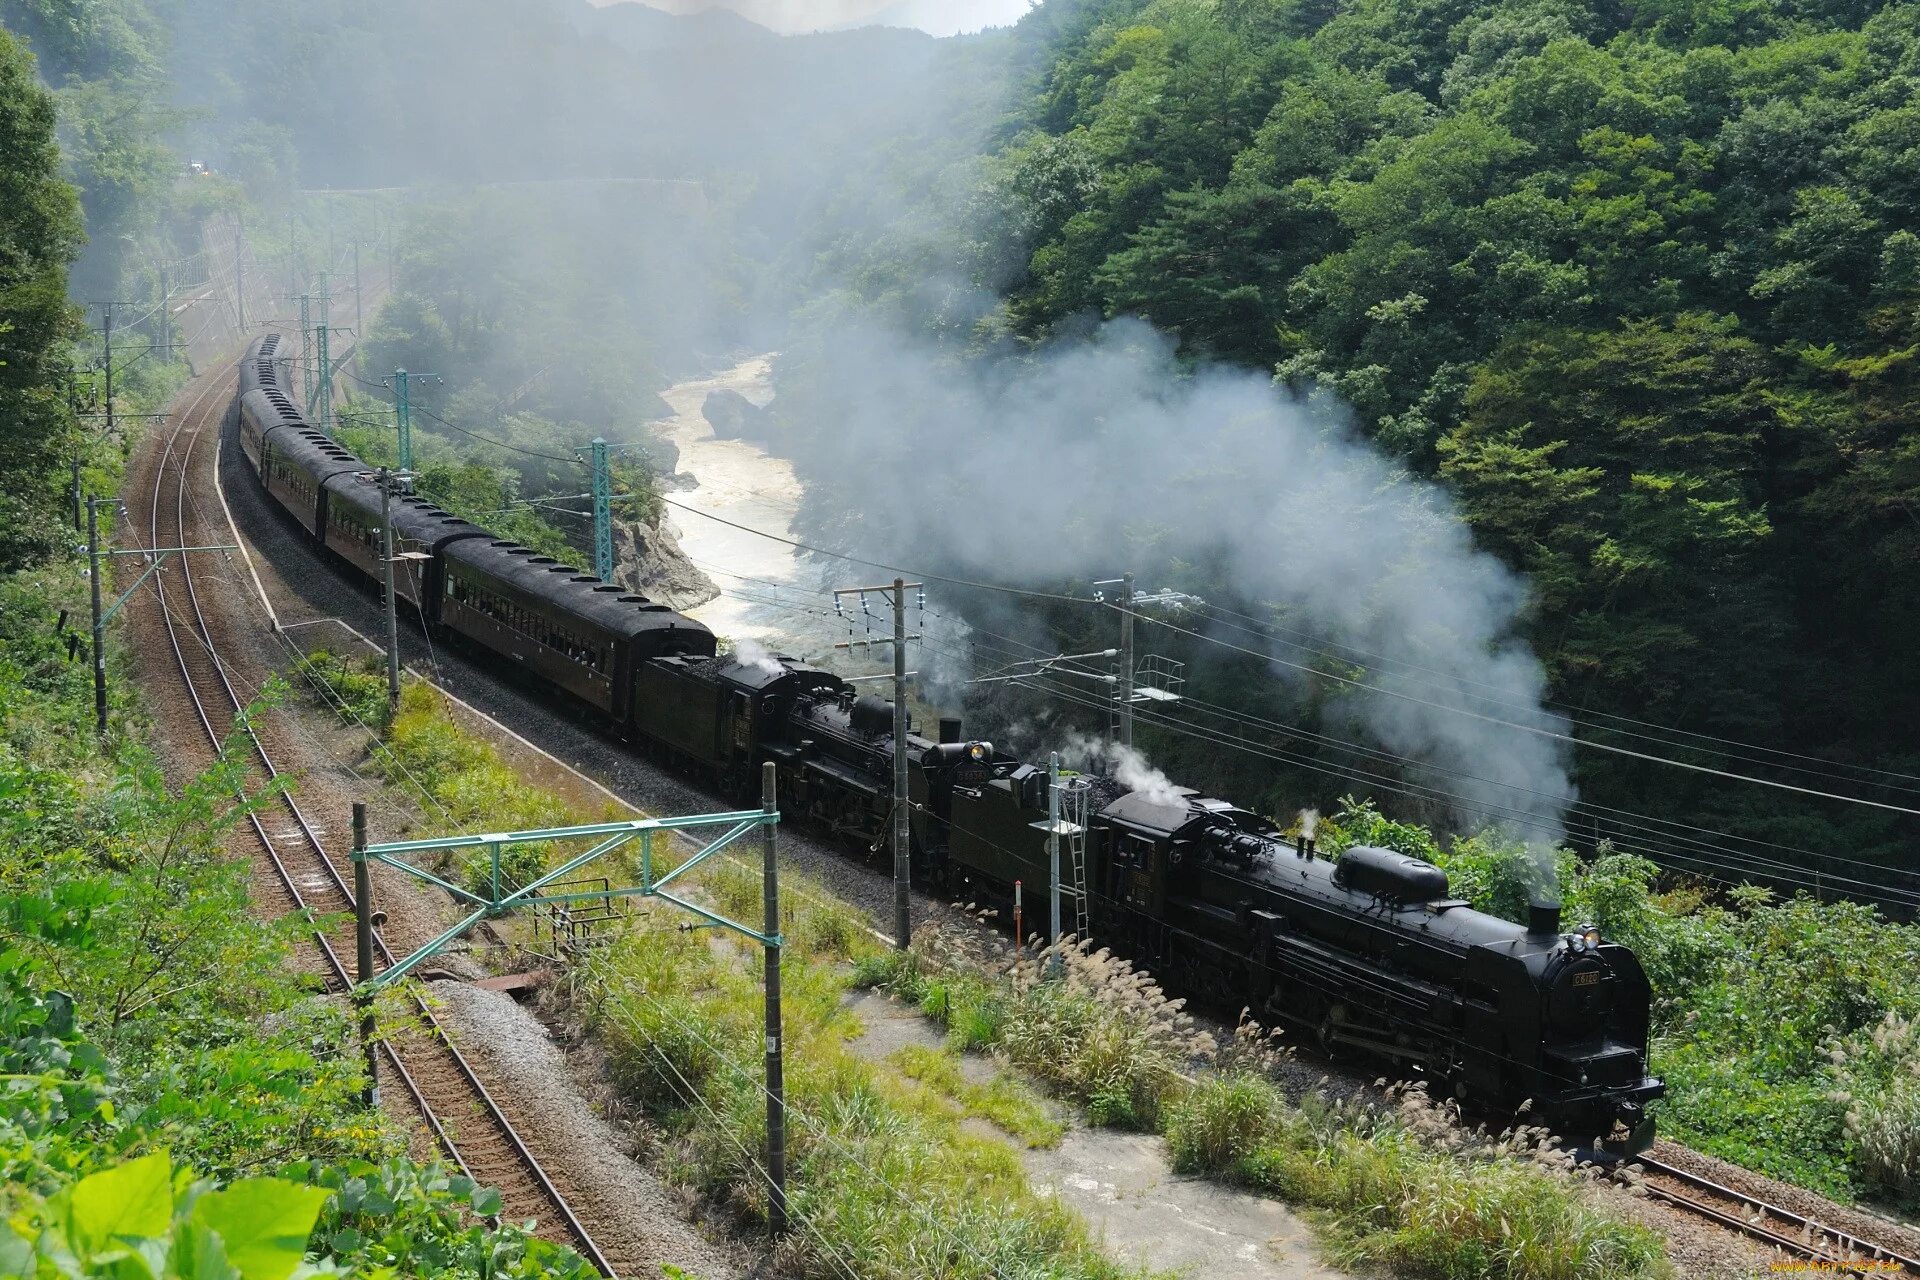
523,1063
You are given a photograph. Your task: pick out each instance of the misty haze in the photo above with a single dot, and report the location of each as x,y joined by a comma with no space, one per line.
1313,598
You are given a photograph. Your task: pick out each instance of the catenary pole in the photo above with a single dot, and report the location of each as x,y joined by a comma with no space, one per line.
602,512
321,333
1126,660
363,952
306,350
403,418
109,360
99,619
776,1063
386,577
240,270
1053,848
402,384
163,335
902,851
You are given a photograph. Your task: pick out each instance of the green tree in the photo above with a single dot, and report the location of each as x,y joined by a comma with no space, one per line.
39,233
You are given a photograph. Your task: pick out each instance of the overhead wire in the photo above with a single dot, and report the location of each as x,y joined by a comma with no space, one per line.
825,1135
1692,854
1577,716
1518,726
1634,829
691,1096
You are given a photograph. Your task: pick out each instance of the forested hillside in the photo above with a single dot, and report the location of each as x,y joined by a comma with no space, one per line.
1636,282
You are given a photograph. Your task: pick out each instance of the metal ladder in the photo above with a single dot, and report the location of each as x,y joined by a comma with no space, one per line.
1075,800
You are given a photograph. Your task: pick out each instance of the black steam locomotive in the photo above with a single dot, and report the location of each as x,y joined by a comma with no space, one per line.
1365,952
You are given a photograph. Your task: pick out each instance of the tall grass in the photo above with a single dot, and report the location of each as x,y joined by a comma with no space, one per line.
1101,1032
884,1179
1002,1101
1389,1190
1390,1200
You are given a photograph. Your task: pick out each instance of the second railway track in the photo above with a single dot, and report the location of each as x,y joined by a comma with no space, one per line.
465,1120
1796,1236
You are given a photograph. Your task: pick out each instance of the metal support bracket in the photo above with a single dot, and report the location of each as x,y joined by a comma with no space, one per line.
608,836
159,555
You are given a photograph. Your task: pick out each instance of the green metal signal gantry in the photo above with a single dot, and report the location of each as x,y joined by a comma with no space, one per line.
602,509
607,837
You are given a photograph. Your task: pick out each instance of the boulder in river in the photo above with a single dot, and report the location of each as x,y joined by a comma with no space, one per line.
734,417
648,559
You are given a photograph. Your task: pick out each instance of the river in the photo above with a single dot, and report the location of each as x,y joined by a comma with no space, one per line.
771,594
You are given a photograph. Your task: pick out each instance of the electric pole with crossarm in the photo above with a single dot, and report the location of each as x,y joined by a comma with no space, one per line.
896,595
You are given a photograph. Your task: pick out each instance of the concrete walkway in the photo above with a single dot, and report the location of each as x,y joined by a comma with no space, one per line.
1122,1185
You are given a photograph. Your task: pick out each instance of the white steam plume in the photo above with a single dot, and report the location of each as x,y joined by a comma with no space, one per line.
1127,766
1108,453
751,653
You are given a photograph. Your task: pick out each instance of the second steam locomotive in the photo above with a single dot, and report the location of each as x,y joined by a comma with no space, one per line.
1365,952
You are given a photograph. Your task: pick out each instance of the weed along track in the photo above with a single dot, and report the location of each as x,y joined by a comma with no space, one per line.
466,1121
1827,1250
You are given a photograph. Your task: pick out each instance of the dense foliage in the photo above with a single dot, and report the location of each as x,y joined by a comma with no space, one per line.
1782,1026
1636,281
152,1025
39,228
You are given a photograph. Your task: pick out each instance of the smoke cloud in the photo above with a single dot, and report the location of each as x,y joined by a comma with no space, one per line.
1109,452
751,653
1126,765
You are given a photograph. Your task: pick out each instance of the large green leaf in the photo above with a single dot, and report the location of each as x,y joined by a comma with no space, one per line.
264,1223
129,1202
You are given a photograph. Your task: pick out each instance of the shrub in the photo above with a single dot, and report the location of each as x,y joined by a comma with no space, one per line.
354,689
1880,1072
1102,1032
1221,1122
1392,1201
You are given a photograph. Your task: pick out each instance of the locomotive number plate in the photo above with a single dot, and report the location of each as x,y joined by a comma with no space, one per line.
1591,978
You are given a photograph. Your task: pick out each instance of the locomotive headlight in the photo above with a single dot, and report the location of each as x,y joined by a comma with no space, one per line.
977,751
1590,936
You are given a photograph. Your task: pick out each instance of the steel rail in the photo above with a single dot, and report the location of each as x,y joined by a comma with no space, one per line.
342,979
1849,1253
430,1025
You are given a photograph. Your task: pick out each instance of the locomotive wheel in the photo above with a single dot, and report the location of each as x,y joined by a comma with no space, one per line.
1329,1027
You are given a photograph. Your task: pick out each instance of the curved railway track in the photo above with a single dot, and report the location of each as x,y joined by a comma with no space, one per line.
1798,1237
466,1122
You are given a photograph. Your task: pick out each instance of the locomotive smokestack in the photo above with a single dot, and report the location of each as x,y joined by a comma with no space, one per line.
1543,919
949,729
